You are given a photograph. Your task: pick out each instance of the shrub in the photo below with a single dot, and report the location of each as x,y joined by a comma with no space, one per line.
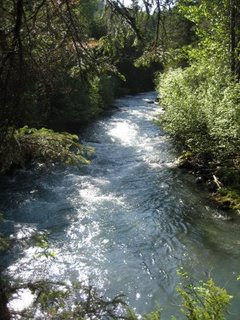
203,301
43,145
202,110
50,146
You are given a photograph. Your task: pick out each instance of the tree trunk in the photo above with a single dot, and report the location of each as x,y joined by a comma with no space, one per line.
233,16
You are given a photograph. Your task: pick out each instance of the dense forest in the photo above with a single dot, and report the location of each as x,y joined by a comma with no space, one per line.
63,62
202,99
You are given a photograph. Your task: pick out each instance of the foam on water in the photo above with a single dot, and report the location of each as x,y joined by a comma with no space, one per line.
126,222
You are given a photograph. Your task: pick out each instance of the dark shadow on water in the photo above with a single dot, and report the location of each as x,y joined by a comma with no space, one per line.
128,221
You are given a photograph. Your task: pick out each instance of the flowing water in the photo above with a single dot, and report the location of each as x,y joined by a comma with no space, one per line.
126,222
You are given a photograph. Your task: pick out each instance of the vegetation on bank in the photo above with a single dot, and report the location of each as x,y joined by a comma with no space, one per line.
202,100
61,65
199,301
43,145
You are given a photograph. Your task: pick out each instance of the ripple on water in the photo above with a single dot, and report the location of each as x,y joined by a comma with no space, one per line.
127,222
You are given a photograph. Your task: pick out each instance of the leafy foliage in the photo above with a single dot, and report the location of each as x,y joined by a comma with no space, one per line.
48,145
204,301
202,101
228,198
62,301
43,145
202,110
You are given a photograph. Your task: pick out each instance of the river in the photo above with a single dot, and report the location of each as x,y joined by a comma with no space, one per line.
126,222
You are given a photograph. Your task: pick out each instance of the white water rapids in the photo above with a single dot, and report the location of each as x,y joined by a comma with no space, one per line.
126,222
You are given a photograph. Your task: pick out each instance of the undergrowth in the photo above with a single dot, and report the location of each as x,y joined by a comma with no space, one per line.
44,145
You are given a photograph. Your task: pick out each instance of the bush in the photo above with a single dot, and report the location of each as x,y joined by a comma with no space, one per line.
204,300
202,110
43,145
50,146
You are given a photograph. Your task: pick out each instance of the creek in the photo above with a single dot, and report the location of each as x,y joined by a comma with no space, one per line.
125,223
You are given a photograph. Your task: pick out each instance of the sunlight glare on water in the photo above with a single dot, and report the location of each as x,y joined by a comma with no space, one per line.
124,132
126,222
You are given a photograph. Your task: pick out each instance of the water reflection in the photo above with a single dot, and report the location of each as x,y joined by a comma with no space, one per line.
127,222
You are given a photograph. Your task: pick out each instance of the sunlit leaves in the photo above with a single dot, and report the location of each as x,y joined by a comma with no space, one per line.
47,145
204,301
202,109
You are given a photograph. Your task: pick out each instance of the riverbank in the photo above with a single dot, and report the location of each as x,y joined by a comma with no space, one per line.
221,180
127,222
202,117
